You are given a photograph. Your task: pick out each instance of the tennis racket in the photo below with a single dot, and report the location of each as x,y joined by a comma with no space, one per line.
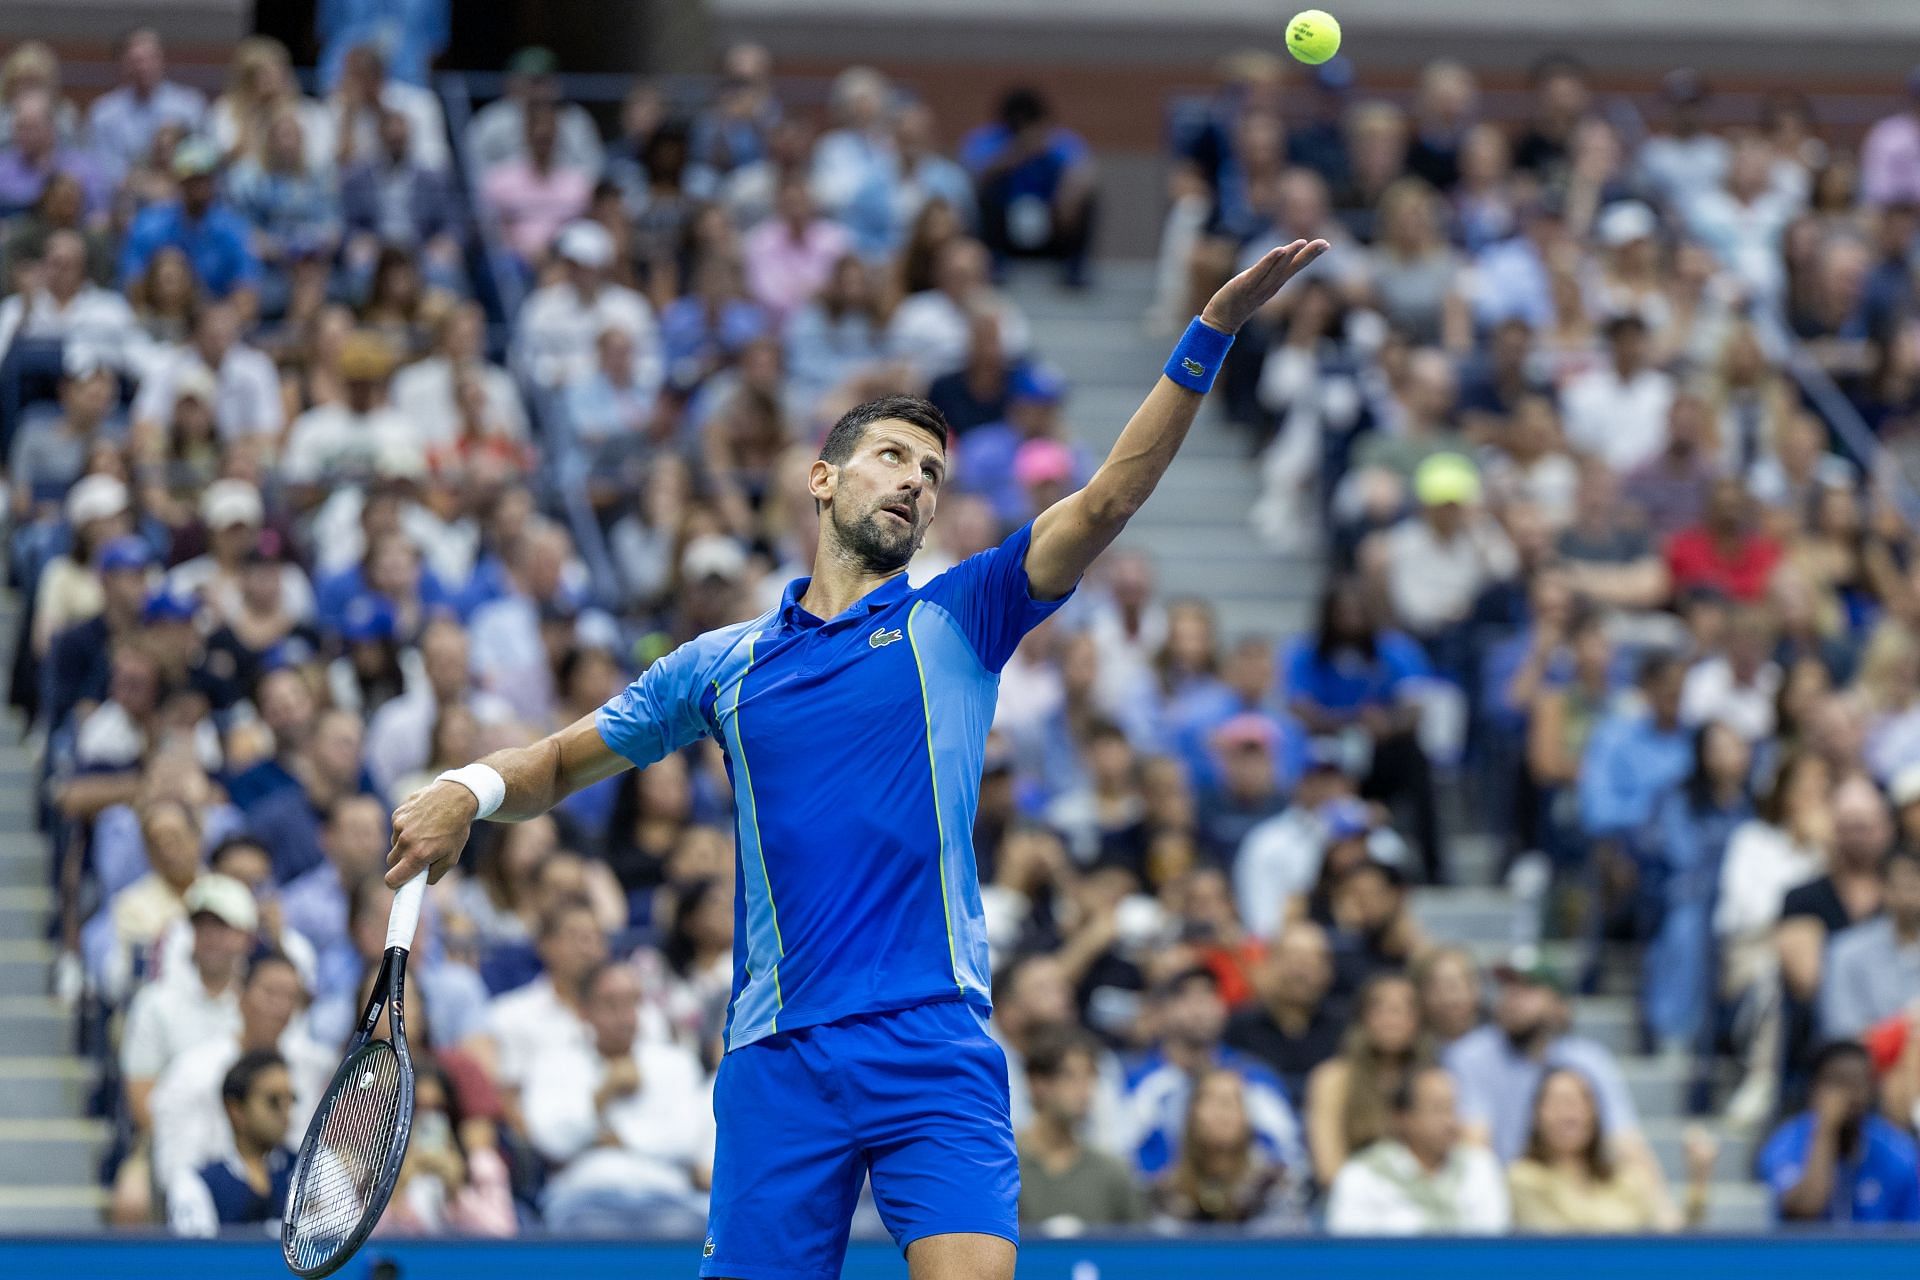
350,1158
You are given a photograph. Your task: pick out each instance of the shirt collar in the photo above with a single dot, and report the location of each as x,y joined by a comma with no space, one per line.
890,592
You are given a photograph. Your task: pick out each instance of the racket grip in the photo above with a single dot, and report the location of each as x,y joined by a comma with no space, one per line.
405,916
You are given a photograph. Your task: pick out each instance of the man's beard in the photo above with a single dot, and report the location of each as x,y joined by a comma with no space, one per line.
875,545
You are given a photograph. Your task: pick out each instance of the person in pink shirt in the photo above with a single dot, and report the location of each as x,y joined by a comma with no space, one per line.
790,255
534,195
1890,155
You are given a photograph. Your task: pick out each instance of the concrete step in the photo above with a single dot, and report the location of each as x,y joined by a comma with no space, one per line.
52,1210
1217,577
49,1152
1465,915
1739,1206
1668,1138
23,910
1472,858
1614,1021
24,966
34,1025
1263,617
39,1088
24,861
1659,1087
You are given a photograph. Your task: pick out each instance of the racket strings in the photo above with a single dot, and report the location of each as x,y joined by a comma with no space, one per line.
334,1188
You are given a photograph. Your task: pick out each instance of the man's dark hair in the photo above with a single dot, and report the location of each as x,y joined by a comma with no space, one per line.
239,840
559,912
268,958
1009,975
1835,1051
592,977
852,427
1557,63
240,1077
1052,1046
1655,667
1021,107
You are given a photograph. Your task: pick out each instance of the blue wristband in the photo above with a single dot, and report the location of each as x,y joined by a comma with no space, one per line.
1196,360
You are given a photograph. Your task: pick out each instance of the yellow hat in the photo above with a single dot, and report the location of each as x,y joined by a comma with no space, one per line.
1447,478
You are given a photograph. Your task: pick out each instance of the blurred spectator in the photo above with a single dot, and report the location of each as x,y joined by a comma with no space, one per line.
121,122
1415,275
933,328
1500,1066
1348,1096
248,1186
548,1013
1606,554
1065,1186
840,332
1033,998
214,238
1248,791
1728,551
425,392
557,326
49,455
95,326
1561,98
535,192
1191,1018
292,209
1448,982
364,95
449,1183
1619,412
498,131
260,81
1290,1024
1670,488
790,256
1438,563
1567,1182
170,1016
61,207
1035,181
399,734
1839,1162
1872,969
1423,1179
187,1103
317,765
1742,220
34,152
854,162
1444,111
246,398
355,439
354,842
1223,1174
1890,153
1685,158
390,199
625,1122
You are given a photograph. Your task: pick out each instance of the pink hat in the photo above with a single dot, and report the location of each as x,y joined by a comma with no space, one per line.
1042,462
1248,729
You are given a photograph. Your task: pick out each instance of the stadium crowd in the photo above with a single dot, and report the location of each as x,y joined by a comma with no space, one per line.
302,519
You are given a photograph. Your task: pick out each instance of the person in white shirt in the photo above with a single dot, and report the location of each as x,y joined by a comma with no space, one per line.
234,514
247,401
186,1106
357,439
1423,1180
91,322
1739,687
400,735
1742,220
498,131
365,92
545,1013
934,329
1618,412
246,1182
180,1010
1437,563
553,341
424,391
628,1123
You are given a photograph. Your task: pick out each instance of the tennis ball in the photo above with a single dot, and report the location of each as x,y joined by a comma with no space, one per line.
1313,36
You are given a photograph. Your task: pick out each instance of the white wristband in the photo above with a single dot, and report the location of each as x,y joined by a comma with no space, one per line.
488,787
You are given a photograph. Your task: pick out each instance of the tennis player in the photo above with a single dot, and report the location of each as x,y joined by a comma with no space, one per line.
854,719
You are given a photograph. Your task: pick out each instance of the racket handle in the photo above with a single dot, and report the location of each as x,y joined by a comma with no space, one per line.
405,916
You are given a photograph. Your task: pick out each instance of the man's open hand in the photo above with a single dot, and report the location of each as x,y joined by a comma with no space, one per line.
429,830
1253,288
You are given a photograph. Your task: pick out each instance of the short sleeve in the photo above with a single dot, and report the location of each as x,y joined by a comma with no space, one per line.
1780,1161
989,595
660,712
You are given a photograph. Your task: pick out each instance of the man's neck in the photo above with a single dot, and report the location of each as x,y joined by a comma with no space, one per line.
1429,1161
1905,932
215,982
839,582
1290,1016
1054,1141
257,1040
1187,1055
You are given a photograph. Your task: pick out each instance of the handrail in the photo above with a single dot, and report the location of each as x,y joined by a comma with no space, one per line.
1879,465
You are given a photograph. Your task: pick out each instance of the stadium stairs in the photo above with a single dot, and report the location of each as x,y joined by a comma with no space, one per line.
1195,529
50,1147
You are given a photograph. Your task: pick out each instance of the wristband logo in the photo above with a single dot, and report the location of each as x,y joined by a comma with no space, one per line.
1193,367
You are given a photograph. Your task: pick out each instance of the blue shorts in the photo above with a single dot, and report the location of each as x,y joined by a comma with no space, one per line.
913,1099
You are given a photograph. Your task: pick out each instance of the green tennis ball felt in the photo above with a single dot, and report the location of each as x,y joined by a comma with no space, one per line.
1313,36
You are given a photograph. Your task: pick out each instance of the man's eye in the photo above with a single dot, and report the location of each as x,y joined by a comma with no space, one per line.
889,455
928,475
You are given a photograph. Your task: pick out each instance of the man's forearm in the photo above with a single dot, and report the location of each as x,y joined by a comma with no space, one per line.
1809,1197
542,774
1143,453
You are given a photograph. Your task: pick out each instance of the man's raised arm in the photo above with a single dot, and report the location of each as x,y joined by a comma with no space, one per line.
430,827
1069,535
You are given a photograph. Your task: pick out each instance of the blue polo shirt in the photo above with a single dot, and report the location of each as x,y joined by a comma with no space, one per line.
1879,1185
854,745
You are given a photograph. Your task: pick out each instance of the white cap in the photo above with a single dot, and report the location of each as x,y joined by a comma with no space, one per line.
230,502
586,243
713,555
1623,222
96,498
225,898
195,381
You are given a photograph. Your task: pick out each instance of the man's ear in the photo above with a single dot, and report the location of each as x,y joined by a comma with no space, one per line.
822,476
